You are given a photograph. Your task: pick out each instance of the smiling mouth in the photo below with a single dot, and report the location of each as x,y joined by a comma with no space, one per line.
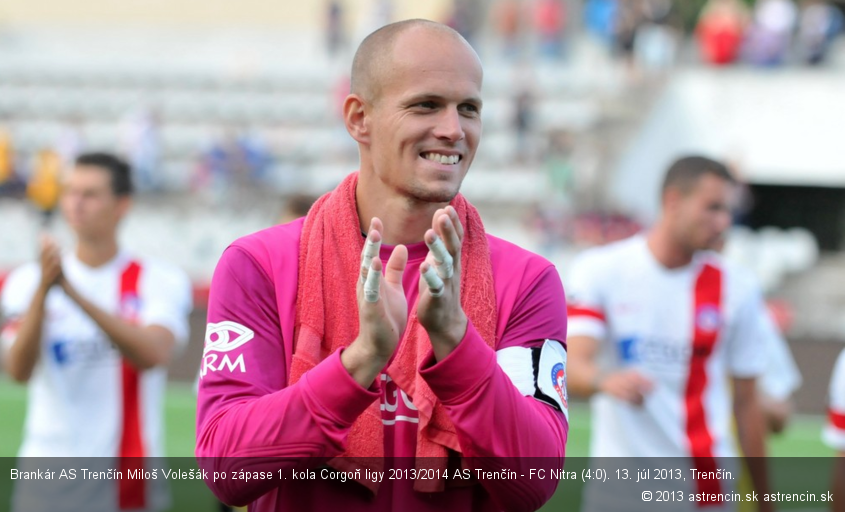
441,158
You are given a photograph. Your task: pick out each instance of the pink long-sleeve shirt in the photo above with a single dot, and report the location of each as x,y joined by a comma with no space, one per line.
249,419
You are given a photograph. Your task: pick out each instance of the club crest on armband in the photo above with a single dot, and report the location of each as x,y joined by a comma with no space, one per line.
559,381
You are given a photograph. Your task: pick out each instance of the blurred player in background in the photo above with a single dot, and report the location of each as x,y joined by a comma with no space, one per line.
296,207
314,357
660,325
834,431
91,330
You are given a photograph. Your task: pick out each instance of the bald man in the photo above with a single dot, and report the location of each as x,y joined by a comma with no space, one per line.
384,352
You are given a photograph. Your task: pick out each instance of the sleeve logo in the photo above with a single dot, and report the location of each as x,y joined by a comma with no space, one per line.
223,337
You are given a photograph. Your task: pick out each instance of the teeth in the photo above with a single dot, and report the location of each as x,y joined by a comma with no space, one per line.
443,159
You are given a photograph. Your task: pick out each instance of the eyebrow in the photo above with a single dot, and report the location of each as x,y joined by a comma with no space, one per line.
428,97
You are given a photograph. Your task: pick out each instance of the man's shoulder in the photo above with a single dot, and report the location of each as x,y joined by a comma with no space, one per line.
24,276
271,248
620,248
271,241
157,266
609,256
18,288
737,277
516,256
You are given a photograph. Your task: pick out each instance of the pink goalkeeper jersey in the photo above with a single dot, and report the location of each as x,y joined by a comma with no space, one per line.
248,414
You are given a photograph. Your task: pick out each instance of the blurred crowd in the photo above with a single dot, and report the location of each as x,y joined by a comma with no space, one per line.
771,33
644,37
765,32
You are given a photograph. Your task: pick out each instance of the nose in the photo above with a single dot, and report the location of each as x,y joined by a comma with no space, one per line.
449,125
71,201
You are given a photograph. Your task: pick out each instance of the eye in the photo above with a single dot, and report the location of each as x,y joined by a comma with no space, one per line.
427,105
469,108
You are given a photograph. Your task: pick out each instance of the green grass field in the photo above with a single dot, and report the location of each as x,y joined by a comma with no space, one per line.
801,440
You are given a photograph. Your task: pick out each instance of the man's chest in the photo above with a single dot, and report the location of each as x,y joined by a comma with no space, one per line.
71,338
662,324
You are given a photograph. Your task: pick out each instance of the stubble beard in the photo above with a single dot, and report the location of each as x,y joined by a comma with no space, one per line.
419,193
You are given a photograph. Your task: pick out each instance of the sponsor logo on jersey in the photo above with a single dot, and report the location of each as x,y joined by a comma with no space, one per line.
395,404
59,350
66,352
559,381
627,350
221,338
658,352
218,337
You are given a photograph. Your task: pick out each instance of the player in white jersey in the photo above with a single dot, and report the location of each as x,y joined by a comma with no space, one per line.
834,431
659,329
91,331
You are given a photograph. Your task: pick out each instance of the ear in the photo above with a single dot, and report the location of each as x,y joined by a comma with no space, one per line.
123,206
355,118
671,199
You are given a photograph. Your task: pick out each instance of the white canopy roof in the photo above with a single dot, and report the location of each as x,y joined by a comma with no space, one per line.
780,127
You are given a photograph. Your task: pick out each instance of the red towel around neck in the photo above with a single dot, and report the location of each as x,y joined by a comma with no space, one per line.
327,319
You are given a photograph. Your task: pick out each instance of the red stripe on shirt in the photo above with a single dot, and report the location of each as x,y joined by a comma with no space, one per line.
837,419
708,300
574,311
131,492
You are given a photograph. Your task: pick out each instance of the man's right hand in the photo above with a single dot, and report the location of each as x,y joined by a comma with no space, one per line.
382,309
51,263
627,385
23,354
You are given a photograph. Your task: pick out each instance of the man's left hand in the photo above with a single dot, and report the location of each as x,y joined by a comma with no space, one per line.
439,307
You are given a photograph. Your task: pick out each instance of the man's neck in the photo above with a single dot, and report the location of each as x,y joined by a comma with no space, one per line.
666,250
405,221
95,253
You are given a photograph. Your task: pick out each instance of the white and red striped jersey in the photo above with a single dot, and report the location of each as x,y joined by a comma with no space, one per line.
689,330
834,431
83,400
